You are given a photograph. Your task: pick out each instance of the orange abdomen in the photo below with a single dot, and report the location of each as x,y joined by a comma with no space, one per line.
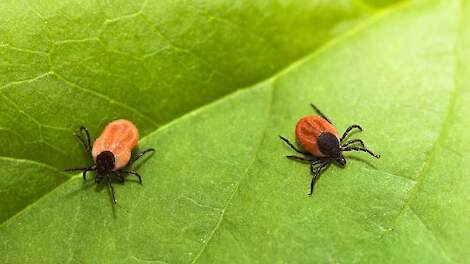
308,130
119,137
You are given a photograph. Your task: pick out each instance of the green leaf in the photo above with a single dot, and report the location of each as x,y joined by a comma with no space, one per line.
69,63
219,188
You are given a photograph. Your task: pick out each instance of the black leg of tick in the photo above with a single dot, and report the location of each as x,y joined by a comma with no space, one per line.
111,188
98,178
352,141
316,173
133,173
87,136
292,146
297,158
84,170
320,113
139,155
345,134
87,143
82,141
362,149
119,175
84,173
76,169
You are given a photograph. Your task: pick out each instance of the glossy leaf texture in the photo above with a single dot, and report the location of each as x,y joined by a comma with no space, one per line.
219,189
64,64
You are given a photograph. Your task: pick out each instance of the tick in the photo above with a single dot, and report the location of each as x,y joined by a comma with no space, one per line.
321,143
111,152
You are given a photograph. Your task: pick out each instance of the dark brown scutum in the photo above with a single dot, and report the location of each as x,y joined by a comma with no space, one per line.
105,162
329,145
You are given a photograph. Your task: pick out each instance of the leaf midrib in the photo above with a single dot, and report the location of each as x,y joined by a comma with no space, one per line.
272,80
242,178
332,43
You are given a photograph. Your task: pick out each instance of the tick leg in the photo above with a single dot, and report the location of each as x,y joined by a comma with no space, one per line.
87,143
112,189
133,173
98,178
119,175
351,127
352,141
301,159
320,113
139,155
84,170
317,162
83,142
84,173
82,128
316,173
362,149
76,169
293,147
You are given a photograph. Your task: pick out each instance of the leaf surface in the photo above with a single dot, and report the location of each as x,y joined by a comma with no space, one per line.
64,64
220,190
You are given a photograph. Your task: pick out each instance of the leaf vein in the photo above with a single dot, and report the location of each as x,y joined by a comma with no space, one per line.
236,26
37,163
243,177
51,192
148,118
183,49
280,73
26,80
432,233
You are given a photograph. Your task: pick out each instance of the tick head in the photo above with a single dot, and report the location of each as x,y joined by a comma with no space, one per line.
328,144
105,162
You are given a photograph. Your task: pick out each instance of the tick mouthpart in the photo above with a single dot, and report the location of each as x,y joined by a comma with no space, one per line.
341,160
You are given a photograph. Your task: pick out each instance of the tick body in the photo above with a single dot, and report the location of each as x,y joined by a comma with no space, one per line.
322,145
308,131
118,137
111,152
